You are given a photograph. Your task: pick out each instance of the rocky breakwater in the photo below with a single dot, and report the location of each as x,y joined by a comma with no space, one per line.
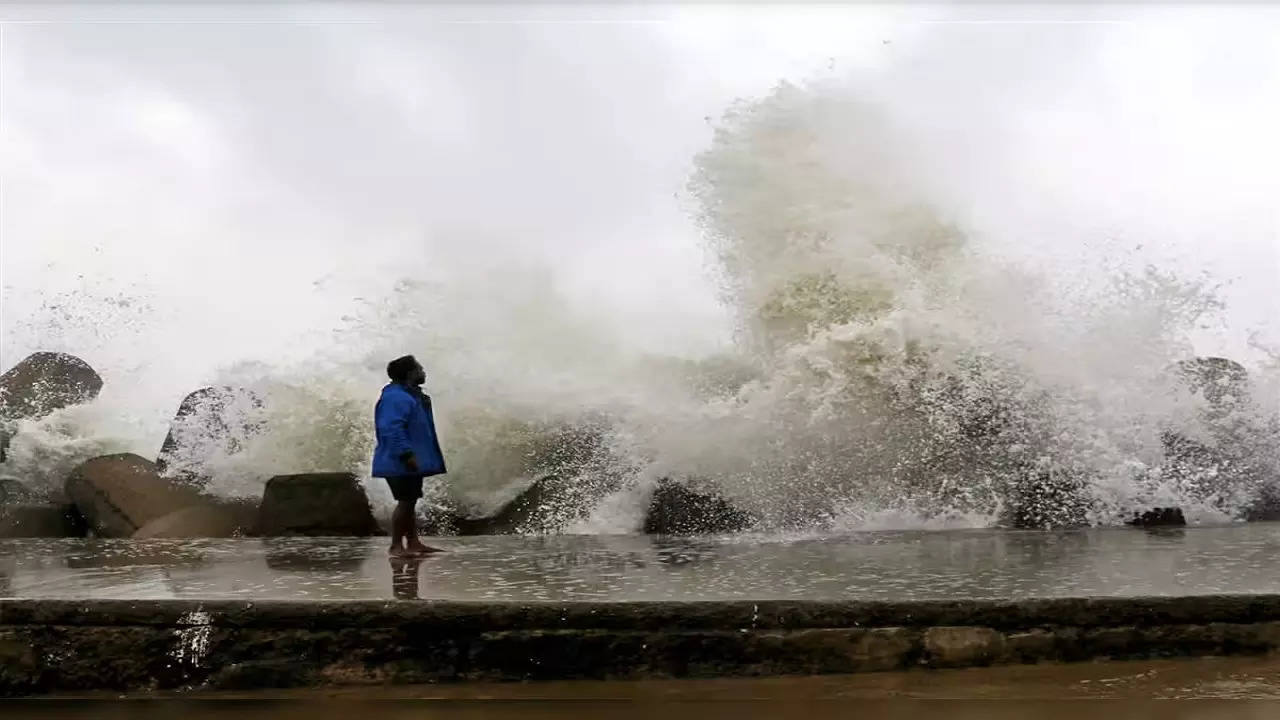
125,496
40,384
548,505
44,382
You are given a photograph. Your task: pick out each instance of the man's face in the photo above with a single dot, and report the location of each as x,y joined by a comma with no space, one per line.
418,375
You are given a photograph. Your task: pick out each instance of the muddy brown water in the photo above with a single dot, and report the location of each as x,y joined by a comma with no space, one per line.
1202,689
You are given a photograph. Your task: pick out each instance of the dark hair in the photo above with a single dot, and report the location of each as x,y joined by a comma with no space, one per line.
398,370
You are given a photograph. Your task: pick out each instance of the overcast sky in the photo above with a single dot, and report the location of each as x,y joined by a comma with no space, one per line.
242,174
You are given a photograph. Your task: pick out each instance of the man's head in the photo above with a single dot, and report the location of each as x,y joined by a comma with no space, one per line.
406,371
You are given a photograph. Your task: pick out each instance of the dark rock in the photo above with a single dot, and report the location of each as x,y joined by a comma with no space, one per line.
315,504
119,494
40,384
210,422
1159,517
48,520
677,510
45,382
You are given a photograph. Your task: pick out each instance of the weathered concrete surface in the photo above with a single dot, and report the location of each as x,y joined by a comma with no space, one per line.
50,645
119,494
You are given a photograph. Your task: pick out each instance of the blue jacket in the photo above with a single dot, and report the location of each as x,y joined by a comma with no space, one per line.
403,423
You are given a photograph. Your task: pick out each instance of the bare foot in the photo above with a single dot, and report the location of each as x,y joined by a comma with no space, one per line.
420,549
398,552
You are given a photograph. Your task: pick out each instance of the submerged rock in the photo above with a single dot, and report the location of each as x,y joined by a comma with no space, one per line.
119,494
677,510
210,422
315,504
1159,517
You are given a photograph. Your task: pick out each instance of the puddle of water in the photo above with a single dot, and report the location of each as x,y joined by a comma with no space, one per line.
883,565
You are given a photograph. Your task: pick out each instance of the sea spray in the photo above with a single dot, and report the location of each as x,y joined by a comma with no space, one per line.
889,368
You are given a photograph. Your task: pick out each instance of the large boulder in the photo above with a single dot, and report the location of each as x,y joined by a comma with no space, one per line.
119,494
676,509
44,520
315,504
45,382
210,422
42,383
214,520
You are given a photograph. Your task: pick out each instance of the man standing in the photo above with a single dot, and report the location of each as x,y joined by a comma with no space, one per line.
407,451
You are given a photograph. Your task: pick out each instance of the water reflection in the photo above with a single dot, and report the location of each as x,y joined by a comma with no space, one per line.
404,577
319,555
885,565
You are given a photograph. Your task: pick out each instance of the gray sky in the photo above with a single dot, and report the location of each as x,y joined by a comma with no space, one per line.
243,174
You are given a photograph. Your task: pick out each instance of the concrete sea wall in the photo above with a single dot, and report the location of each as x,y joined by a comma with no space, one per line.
53,645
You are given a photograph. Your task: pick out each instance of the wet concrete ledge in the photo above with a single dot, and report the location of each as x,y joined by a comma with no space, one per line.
52,645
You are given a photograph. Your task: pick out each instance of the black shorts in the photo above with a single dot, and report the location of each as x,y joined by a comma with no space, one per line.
406,488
